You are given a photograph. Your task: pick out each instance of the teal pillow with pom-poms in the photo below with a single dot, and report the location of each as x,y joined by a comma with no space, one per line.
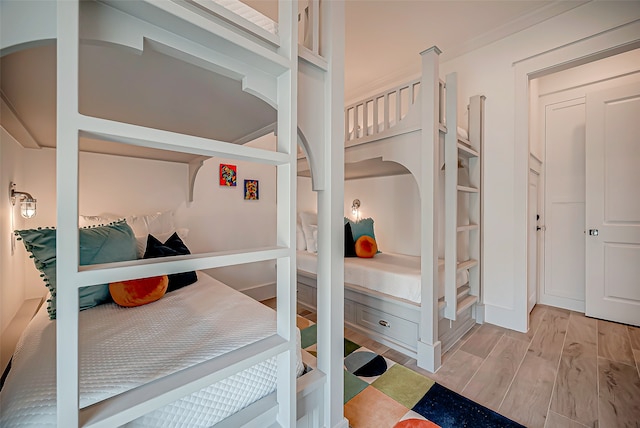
114,242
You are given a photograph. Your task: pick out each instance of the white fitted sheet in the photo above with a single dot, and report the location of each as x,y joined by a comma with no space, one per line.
241,9
121,348
397,275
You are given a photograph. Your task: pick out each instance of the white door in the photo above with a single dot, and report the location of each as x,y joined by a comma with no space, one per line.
564,260
613,204
533,225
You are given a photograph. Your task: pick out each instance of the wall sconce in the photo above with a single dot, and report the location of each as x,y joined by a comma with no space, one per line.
27,203
355,208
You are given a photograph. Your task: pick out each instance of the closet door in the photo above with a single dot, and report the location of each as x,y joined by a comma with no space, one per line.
564,272
613,205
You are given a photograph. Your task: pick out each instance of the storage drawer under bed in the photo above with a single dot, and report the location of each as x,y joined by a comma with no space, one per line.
307,295
391,326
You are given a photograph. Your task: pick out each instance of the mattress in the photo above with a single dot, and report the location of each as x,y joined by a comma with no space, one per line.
396,275
241,9
121,348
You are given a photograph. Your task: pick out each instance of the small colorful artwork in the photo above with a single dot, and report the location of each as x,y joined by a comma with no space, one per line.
251,190
228,174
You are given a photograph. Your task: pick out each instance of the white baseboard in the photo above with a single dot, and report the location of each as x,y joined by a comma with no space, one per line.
261,292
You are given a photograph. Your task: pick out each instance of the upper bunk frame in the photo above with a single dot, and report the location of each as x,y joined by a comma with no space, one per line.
410,125
269,70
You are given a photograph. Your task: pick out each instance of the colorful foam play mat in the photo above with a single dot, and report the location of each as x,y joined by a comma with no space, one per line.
379,393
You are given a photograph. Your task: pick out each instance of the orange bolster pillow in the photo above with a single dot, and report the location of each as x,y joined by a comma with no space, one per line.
138,292
366,247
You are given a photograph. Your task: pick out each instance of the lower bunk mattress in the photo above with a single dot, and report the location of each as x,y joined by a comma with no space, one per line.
121,348
396,275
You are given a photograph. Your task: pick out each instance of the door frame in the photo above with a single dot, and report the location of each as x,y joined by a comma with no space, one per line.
599,46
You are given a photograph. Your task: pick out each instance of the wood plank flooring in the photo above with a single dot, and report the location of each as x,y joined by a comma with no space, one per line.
566,371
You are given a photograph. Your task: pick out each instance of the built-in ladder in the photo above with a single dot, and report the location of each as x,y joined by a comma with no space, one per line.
281,71
463,152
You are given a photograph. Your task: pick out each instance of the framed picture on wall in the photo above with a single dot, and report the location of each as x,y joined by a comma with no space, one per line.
228,175
251,192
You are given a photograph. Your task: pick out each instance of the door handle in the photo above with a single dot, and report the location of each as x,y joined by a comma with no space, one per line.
542,228
593,232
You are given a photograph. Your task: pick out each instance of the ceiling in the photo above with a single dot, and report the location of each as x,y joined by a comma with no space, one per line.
384,37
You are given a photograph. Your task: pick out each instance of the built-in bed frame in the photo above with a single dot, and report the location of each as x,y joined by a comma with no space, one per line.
271,66
411,125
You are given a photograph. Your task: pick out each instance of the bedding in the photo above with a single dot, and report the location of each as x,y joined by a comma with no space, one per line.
250,14
160,224
366,247
396,275
245,11
121,348
173,246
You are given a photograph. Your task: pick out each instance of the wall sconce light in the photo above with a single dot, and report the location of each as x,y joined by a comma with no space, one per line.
27,203
355,208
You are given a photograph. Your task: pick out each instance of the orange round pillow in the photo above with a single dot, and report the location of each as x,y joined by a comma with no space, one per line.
366,247
138,292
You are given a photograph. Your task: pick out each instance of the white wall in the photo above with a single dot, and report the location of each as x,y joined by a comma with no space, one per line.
490,71
394,205
392,202
12,294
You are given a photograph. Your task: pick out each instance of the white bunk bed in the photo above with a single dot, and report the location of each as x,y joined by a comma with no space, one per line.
266,59
419,306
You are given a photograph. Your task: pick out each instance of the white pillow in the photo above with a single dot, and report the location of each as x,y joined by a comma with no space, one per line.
156,223
97,220
308,219
142,225
313,247
141,241
301,243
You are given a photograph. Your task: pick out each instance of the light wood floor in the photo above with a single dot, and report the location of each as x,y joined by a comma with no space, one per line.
567,371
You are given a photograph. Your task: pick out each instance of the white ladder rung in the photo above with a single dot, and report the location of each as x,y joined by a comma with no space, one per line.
467,227
465,150
467,189
136,135
129,405
467,264
466,303
119,271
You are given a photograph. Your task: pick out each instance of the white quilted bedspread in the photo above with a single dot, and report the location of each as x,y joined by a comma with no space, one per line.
122,348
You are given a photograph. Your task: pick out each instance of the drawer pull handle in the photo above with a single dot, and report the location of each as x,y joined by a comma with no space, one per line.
384,323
